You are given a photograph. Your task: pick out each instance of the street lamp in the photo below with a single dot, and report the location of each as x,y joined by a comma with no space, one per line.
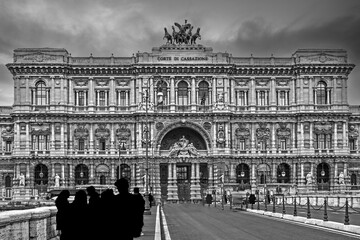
121,147
147,141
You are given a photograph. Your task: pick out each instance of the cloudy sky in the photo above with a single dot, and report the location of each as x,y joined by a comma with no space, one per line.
241,27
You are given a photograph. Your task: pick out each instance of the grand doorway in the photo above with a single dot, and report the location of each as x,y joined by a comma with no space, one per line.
183,181
323,177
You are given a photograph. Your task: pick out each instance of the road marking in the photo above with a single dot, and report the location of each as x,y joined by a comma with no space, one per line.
157,225
344,233
166,230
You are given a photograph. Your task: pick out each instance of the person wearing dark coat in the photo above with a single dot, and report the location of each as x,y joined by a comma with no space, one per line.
209,199
94,211
151,199
139,212
62,216
107,225
79,217
125,211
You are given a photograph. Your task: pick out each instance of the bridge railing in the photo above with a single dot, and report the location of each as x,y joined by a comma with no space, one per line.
37,223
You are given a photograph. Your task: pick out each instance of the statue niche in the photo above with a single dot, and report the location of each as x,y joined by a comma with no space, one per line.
183,148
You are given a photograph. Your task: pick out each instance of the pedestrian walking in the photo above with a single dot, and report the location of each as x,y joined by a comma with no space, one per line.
209,199
139,212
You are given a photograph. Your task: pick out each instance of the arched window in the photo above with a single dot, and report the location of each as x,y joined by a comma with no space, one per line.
161,93
323,176
41,93
8,182
81,145
283,173
203,93
243,174
41,174
183,93
321,96
102,180
125,172
81,174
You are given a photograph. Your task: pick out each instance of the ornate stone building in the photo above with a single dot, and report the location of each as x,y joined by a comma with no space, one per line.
190,117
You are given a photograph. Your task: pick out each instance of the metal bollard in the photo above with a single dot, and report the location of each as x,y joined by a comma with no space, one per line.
295,211
258,198
346,222
308,208
274,210
265,201
283,201
325,210
230,199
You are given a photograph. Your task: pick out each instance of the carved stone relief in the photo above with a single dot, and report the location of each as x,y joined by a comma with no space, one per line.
183,148
81,82
8,134
81,132
323,127
123,133
283,132
353,132
102,132
262,82
102,82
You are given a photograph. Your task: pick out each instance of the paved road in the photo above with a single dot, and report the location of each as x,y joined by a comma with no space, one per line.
197,222
316,212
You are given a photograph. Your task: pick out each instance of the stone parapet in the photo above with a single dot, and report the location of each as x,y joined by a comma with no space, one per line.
38,223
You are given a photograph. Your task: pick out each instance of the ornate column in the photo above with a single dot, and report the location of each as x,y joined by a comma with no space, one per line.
294,175
252,93
211,177
112,92
62,137
302,177
71,175
52,179
52,146
172,93
91,92
273,92
273,139
92,180
28,138
71,91
335,136
301,135
150,82
253,176
311,97
232,173
344,135
91,133
311,135
62,182
213,90
112,169
274,179
28,97
193,94
336,173
52,95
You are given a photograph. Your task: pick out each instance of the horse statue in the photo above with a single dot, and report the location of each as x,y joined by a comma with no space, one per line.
188,35
169,39
175,35
195,36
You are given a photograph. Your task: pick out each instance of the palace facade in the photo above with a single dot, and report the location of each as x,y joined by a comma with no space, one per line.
181,120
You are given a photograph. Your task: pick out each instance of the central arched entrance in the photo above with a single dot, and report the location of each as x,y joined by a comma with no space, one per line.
184,179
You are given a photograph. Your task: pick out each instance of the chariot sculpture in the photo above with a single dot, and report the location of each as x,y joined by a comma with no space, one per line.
184,34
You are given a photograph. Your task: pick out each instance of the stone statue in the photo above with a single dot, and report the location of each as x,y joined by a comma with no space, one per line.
57,180
309,178
169,39
195,36
183,148
341,178
22,180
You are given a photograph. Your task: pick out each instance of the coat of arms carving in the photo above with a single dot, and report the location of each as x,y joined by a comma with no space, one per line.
123,133
81,132
183,148
102,132
353,132
8,134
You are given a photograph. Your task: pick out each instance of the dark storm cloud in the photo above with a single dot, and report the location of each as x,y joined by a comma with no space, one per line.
258,38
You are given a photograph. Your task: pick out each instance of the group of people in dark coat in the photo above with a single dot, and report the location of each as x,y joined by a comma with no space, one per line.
106,216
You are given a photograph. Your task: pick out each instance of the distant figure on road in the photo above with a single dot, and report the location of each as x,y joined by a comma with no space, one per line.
151,199
139,213
62,215
209,199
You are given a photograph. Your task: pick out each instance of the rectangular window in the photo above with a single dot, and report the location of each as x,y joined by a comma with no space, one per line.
242,144
81,145
321,141
282,98
262,145
262,98
8,146
122,98
352,144
102,144
81,97
242,97
283,144
102,98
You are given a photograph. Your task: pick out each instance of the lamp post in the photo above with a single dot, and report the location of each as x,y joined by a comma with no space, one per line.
147,203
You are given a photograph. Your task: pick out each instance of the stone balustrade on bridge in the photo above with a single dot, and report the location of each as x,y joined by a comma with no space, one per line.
37,223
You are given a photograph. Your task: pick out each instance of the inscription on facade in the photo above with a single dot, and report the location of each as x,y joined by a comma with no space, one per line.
184,59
